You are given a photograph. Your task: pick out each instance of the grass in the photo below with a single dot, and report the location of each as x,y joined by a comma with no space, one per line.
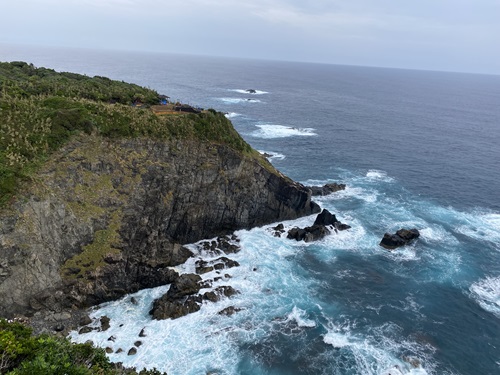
40,110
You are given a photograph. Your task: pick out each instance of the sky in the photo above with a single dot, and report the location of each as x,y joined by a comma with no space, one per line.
449,35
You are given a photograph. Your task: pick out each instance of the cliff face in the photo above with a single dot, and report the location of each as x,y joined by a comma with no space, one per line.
107,217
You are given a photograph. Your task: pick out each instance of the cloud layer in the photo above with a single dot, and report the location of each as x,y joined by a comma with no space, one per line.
445,35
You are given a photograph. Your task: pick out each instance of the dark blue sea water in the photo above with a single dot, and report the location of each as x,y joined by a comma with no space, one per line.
415,148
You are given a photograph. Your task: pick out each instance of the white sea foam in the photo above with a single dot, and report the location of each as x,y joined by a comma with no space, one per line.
374,174
355,239
246,92
437,234
210,340
281,131
300,317
273,155
238,100
480,226
375,356
487,293
272,290
336,339
232,115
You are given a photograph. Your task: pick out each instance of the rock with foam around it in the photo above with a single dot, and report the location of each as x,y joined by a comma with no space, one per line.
401,238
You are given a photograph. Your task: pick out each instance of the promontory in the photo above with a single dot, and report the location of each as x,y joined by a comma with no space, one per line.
103,182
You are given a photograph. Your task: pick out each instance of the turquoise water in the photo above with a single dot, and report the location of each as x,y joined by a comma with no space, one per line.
416,149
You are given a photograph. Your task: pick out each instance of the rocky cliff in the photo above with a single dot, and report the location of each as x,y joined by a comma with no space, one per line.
105,217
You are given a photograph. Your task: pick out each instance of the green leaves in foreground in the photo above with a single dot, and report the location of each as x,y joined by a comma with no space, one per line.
21,353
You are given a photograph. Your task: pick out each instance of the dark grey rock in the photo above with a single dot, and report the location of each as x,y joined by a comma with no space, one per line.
161,205
228,311
326,189
85,320
85,330
325,218
104,323
401,238
184,285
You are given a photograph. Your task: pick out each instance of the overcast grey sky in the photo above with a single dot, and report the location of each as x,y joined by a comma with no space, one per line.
451,35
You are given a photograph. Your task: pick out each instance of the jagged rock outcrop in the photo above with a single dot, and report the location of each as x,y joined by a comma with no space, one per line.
401,238
184,298
109,217
323,223
326,189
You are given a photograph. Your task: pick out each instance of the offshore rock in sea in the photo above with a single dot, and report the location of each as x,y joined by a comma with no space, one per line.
319,229
326,189
401,238
113,216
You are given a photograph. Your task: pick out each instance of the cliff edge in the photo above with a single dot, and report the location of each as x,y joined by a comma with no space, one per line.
104,216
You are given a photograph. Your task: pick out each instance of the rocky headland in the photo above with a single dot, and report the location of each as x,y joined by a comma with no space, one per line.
108,211
110,217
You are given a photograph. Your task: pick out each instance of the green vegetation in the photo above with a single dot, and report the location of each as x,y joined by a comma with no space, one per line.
93,254
22,353
40,110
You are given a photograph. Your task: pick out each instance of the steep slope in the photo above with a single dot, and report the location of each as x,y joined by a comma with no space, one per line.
104,216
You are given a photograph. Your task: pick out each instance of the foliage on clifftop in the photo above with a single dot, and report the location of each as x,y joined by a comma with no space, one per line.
40,110
21,353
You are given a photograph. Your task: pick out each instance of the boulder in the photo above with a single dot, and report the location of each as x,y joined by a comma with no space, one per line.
296,233
228,311
278,230
401,238
319,229
221,263
226,290
85,320
104,323
202,267
186,284
315,233
325,218
326,189
163,308
251,91
85,330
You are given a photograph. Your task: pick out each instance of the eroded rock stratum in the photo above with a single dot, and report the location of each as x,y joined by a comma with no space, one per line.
105,217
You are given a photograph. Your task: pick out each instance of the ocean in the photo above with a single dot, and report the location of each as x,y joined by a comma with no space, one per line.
416,149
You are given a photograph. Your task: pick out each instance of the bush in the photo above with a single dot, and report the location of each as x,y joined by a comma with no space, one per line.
21,353
40,110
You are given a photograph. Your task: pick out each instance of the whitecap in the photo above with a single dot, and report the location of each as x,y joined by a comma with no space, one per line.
232,115
336,339
486,292
480,226
238,100
252,92
281,131
299,316
374,174
437,234
272,155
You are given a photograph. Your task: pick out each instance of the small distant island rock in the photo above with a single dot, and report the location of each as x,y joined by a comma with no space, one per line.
401,238
251,91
